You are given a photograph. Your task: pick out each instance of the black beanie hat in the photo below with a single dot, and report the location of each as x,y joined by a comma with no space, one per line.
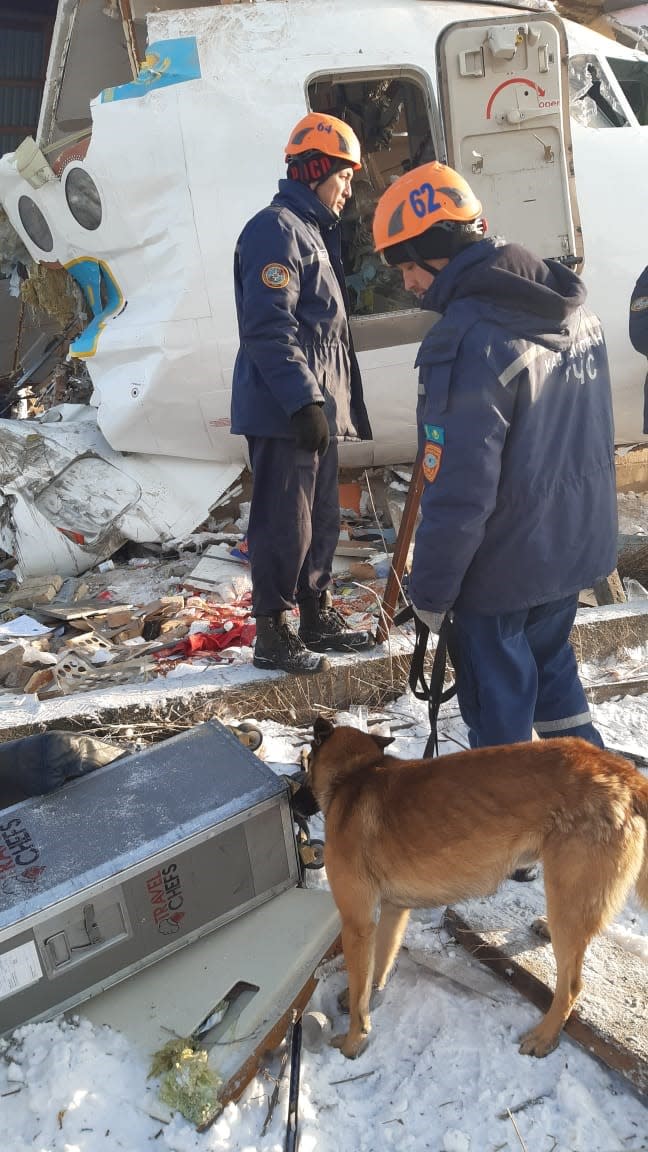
441,242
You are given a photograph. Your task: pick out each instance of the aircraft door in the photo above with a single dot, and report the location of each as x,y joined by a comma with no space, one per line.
505,109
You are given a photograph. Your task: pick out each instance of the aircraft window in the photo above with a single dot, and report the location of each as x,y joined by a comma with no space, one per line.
35,224
390,117
592,101
633,79
83,198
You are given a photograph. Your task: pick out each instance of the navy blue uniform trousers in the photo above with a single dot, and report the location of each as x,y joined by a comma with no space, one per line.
294,522
518,672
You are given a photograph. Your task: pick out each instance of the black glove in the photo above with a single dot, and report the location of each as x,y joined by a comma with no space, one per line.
311,428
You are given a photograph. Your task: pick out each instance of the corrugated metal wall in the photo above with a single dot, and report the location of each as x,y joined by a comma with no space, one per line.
24,47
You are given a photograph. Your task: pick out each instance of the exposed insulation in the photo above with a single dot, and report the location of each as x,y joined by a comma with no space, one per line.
51,290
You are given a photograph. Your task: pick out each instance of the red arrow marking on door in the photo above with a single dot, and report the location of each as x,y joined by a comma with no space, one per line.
513,80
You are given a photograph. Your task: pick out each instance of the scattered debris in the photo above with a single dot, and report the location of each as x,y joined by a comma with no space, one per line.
152,609
187,1082
137,616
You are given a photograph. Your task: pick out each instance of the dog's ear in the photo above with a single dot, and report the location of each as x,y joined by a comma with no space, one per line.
322,729
382,741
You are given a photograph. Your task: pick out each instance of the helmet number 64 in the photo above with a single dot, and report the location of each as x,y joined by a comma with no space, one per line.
422,200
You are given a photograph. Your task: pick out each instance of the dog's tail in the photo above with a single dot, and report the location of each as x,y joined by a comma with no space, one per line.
641,802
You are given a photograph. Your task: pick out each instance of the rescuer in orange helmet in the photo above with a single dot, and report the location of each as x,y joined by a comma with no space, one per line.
296,391
517,449
431,213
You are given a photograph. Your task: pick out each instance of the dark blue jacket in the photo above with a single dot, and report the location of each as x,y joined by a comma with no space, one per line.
639,314
291,303
515,418
639,328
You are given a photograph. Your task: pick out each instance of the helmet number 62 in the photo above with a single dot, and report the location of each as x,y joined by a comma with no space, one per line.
422,200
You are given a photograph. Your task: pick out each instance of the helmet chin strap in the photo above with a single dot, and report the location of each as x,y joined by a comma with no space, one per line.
410,249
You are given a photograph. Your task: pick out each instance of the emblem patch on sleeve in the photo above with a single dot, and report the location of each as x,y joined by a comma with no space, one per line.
434,433
432,454
640,304
275,276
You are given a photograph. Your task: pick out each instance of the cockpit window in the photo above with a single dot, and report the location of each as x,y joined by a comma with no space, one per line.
592,101
390,116
633,79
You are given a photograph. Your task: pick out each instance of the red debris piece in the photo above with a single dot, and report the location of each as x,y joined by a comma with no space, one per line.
240,634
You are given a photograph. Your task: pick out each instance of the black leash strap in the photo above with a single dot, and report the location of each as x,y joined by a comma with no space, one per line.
433,692
292,1123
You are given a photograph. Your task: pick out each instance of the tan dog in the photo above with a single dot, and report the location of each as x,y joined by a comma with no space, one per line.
403,834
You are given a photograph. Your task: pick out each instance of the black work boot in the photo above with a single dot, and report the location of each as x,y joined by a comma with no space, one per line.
322,629
278,647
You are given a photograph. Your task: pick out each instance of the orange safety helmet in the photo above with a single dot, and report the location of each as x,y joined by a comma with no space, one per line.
432,201
318,132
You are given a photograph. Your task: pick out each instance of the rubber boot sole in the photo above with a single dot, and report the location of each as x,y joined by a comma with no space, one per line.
341,646
267,664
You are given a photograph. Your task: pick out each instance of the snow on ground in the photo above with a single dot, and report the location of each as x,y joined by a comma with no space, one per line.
441,1072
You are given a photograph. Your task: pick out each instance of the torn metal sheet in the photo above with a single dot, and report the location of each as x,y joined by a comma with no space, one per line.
67,499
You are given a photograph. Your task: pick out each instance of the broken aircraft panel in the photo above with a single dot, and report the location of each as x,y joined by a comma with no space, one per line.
71,500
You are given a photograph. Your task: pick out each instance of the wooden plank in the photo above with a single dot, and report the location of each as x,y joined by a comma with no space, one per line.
81,608
399,558
610,1019
611,689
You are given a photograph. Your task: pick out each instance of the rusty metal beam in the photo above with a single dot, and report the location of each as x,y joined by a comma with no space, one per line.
128,24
